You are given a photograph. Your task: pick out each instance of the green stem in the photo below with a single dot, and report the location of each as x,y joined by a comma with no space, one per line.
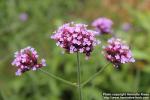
58,78
95,75
79,77
137,79
3,95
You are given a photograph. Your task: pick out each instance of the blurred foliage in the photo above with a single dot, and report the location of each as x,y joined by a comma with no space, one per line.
43,18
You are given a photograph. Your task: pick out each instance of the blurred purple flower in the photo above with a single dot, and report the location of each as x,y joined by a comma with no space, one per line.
103,25
75,38
23,17
118,52
27,59
126,26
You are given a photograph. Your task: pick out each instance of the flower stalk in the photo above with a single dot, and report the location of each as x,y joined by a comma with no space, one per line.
79,77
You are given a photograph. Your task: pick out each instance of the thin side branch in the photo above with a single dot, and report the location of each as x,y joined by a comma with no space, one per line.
58,78
93,76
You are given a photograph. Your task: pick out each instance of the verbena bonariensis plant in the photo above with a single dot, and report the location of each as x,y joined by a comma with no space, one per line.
76,38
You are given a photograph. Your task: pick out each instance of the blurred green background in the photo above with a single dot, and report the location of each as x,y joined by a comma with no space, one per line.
31,22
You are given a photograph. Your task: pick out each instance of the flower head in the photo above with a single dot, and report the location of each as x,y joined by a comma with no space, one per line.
126,26
27,59
75,38
118,52
23,17
103,25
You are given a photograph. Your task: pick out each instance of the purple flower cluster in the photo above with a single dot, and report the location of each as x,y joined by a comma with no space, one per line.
118,52
27,59
23,17
103,25
126,26
75,38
